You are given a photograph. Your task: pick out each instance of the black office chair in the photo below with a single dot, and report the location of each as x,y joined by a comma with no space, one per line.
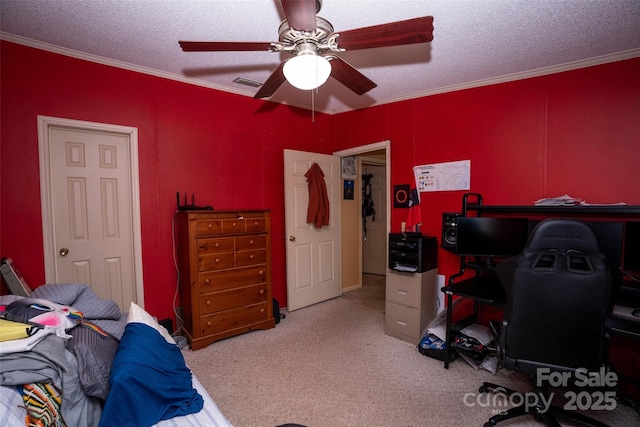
558,293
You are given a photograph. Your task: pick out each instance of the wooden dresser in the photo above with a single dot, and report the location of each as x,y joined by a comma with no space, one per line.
224,261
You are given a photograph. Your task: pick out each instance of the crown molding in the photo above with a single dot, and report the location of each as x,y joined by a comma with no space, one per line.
115,63
599,60
569,66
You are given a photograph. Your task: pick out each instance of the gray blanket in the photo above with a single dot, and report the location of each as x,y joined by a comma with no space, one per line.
50,362
103,312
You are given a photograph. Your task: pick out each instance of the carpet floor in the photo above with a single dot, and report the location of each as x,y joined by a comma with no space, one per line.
332,365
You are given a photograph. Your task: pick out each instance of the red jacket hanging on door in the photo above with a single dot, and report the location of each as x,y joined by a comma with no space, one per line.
318,210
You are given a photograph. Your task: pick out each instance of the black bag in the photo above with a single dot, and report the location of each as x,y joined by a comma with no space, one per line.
367,198
276,311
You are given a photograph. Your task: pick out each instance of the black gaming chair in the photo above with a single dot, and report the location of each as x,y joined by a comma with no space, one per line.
558,293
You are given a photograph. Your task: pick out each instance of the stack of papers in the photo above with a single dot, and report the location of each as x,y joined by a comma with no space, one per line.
565,200
479,332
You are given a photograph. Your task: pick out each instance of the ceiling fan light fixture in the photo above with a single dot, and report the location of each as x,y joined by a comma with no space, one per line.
307,71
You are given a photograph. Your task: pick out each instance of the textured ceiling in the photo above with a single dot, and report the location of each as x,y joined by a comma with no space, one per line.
476,42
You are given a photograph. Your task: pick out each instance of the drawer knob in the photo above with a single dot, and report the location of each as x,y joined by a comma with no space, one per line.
233,225
262,310
209,226
255,224
217,260
252,256
207,281
216,245
209,323
208,303
251,242
261,291
261,272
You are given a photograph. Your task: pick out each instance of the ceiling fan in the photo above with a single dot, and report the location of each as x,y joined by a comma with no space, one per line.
308,36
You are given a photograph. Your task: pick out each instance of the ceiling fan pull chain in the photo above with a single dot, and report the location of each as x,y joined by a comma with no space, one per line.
313,105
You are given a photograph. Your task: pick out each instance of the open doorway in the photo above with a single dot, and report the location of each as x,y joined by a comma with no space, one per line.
352,233
374,217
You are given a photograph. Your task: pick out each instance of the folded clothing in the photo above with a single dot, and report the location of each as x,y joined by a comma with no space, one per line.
11,330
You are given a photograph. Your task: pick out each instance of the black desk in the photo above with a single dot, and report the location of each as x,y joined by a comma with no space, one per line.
627,328
625,300
488,290
483,289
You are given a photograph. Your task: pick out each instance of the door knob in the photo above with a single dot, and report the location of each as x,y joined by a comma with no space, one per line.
64,252
292,238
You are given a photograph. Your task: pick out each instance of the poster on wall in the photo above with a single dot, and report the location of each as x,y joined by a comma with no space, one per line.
401,196
349,190
448,176
349,167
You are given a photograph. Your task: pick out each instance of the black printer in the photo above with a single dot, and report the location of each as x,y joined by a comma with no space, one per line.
412,252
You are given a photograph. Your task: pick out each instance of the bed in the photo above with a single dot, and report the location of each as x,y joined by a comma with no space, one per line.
88,364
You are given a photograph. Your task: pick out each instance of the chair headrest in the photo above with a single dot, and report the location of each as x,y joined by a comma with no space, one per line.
564,234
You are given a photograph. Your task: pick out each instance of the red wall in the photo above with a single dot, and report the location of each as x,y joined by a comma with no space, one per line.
575,132
225,148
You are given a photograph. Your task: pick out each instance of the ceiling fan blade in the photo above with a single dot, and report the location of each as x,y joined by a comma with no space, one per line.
416,30
224,46
300,14
272,84
349,76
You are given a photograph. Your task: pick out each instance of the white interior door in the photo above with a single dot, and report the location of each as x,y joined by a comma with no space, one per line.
313,254
374,248
90,192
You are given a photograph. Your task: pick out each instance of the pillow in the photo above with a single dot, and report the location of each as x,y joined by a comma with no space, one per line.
95,353
149,381
137,314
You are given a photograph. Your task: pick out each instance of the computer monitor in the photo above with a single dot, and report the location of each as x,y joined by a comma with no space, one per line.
631,262
610,238
491,237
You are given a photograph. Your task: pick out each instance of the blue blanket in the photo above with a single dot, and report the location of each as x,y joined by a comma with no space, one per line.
149,381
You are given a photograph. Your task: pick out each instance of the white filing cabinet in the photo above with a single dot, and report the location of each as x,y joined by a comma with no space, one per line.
411,300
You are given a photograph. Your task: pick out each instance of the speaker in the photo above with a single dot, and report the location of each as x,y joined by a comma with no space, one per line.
450,231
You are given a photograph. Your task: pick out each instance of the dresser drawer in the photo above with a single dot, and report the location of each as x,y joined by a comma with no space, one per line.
405,291
251,257
216,245
255,225
208,227
215,261
230,226
244,243
226,300
220,280
403,320
230,319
